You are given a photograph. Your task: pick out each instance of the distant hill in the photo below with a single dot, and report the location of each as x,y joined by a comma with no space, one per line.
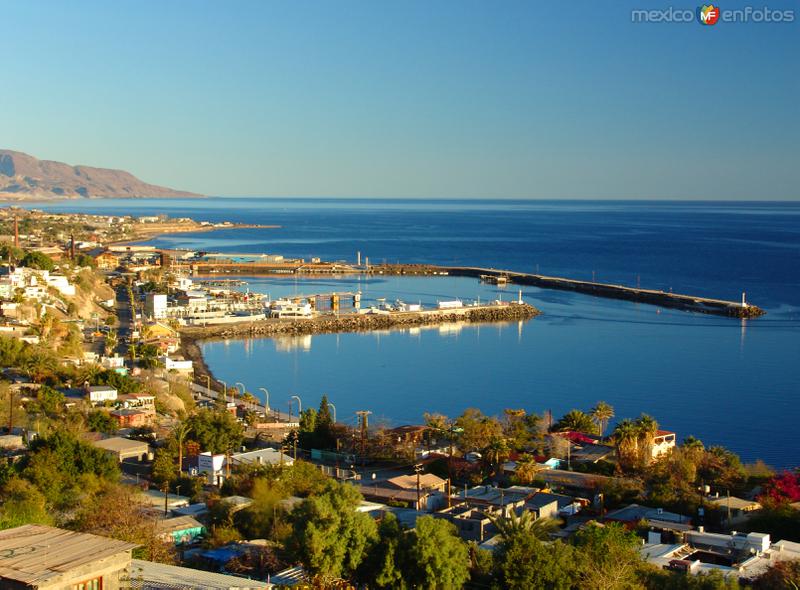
25,177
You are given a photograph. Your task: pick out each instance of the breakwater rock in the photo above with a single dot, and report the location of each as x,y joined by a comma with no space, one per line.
330,323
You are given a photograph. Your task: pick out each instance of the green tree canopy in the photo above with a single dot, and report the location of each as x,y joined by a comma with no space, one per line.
37,260
524,562
578,421
329,536
215,431
440,558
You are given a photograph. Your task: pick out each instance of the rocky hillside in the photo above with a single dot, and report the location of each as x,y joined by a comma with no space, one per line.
25,177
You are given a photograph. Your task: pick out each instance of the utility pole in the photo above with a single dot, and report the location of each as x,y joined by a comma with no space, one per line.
418,470
363,414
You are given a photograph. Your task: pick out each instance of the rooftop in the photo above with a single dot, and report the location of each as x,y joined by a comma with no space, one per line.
34,554
118,444
148,575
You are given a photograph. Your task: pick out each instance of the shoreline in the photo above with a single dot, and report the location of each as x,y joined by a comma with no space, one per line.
192,337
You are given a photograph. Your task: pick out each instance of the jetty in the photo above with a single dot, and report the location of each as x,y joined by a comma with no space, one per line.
738,309
354,322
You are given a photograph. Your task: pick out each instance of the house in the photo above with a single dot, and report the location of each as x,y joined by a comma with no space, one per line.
426,481
155,305
124,448
47,558
99,394
148,575
742,556
180,530
216,466
663,442
105,259
158,330
407,434
633,514
131,417
737,510
158,500
473,524
177,364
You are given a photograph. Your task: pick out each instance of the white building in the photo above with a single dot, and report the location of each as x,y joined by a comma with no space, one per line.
101,393
176,364
663,442
155,305
283,308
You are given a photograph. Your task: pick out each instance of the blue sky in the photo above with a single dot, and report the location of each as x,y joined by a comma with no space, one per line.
407,99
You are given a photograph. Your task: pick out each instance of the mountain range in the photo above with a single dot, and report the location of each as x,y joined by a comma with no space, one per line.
24,177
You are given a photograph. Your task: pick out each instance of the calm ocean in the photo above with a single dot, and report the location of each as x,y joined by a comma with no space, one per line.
725,381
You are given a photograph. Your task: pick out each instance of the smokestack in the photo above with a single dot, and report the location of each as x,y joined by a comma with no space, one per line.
16,232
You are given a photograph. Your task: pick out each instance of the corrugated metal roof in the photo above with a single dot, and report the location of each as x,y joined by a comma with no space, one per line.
148,575
35,553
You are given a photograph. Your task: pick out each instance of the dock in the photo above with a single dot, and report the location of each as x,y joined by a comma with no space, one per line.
351,322
738,309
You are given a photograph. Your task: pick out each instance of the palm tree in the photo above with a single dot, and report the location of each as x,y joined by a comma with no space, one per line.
495,453
602,413
648,428
577,421
180,432
523,523
526,469
626,439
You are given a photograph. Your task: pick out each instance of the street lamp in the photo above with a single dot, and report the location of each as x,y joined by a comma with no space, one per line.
299,405
266,393
244,389
224,391
330,405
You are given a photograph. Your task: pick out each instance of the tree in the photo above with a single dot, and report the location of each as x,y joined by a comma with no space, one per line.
577,421
522,430
100,421
524,563
626,440
323,429
384,568
329,536
215,431
524,523
179,434
476,430
440,557
526,469
781,575
163,469
612,557
37,260
602,413
56,463
782,488
495,453
119,511
647,428
22,504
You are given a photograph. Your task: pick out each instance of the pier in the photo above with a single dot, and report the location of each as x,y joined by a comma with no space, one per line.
351,322
738,309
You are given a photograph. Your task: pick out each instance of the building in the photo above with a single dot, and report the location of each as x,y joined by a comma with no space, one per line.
737,510
742,556
181,530
155,305
35,557
124,448
131,417
105,259
99,394
216,466
148,575
663,442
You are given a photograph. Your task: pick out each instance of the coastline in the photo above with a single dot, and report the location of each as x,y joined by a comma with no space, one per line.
192,337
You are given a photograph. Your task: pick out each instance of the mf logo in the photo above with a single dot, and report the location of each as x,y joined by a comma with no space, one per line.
708,15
